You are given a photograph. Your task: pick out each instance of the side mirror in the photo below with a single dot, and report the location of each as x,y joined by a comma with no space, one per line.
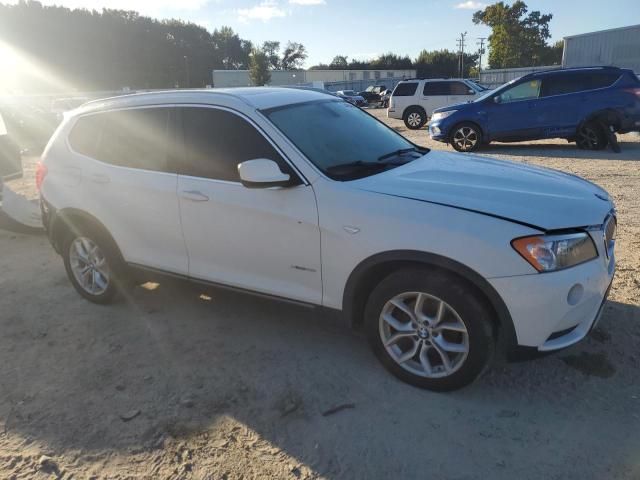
262,173
472,91
497,99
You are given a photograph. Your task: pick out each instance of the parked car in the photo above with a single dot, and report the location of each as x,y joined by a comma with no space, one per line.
352,97
579,104
414,100
10,158
441,257
372,93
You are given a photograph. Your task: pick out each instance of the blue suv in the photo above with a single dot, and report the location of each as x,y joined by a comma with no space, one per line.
579,104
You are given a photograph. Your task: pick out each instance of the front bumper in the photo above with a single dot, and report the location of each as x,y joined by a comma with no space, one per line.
437,131
545,315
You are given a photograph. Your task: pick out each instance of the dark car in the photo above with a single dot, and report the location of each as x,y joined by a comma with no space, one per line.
10,159
582,105
373,93
352,97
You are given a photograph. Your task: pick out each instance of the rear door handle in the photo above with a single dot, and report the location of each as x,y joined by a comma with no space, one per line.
194,196
100,178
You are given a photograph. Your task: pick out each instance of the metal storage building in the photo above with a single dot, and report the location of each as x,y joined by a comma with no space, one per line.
618,47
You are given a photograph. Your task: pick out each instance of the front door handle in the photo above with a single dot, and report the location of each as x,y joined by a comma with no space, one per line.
194,196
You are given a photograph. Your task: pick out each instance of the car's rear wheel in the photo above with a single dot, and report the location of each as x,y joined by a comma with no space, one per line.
415,118
429,329
92,267
591,136
465,137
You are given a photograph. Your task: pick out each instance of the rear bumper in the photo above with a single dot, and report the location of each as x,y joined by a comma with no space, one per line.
393,113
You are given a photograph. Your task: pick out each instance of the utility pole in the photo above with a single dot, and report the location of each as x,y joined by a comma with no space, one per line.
480,52
461,50
186,67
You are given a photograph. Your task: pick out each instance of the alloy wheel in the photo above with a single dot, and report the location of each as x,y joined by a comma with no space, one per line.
423,334
89,266
465,138
414,119
588,138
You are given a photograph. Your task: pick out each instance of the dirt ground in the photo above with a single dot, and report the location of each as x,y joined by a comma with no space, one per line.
179,381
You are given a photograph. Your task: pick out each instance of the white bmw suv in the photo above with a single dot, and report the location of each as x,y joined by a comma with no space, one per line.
441,257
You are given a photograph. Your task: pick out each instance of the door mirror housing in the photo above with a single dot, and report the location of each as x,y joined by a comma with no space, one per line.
262,173
497,99
472,91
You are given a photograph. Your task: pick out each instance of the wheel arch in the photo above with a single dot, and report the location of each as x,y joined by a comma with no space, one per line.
373,269
608,116
73,220
414,106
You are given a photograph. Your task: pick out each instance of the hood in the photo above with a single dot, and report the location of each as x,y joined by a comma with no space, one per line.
535,196
455,106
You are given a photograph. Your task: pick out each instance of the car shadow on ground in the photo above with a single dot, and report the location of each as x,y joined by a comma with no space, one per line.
177,358
630,150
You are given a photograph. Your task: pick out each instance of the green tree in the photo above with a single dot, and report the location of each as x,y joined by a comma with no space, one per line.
444,63
293,56
272,50
231,52
518,38
339,62
259,68
391,61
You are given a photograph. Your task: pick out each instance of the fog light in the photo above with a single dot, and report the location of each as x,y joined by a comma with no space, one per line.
575,294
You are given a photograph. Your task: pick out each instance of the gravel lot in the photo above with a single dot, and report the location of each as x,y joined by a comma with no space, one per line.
185,382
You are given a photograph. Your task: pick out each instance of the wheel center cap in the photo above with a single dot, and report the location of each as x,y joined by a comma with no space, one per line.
423,332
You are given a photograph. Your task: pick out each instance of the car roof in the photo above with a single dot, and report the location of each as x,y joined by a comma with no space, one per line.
553,71
256,97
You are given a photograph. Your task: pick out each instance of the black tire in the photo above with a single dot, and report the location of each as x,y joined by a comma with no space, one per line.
460,300
114,265
591,136
465,137
414,118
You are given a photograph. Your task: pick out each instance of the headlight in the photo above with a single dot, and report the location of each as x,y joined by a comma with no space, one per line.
441,115
547,253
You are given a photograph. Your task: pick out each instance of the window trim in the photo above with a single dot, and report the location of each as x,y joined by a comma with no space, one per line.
179,125
99,139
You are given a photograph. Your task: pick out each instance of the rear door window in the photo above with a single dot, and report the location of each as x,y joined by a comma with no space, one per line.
435,89
573,82
136,138
459,88
407,89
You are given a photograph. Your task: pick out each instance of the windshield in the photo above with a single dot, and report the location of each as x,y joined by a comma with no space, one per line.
341,140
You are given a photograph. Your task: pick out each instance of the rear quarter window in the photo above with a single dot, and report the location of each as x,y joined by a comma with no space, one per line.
407,89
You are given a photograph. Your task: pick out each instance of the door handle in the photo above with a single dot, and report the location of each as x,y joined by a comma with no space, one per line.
100,178
194,196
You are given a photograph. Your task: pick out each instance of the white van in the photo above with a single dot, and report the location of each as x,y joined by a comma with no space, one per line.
414,100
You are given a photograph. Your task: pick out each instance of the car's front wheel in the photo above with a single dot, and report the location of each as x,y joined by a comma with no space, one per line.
429,329
465,137
591,136
92,267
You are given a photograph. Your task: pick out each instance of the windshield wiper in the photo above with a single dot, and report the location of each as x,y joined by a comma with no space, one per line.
397,153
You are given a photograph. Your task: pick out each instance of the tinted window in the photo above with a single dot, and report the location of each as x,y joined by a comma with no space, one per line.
216,141
573,82
436,88
523,91
405,89
459,88
138,138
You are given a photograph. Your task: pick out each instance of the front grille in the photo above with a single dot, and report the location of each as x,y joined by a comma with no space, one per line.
609,235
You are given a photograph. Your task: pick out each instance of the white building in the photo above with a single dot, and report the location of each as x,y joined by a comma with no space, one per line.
240,78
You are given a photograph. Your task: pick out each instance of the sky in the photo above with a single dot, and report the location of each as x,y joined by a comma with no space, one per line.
363,29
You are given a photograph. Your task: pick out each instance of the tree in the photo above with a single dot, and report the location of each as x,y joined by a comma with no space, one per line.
230,50
259,68
339,62
443,63
293,56
517,39
272,50
391,61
